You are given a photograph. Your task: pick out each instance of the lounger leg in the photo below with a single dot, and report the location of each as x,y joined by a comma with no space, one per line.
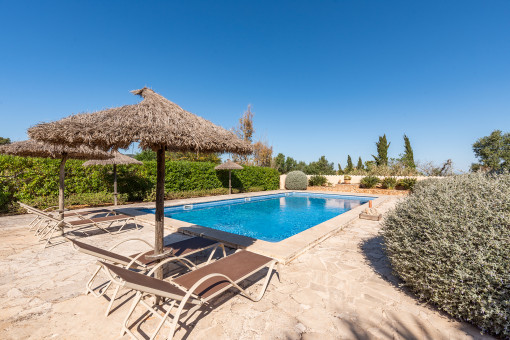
114,296
266,282
177,315
42,228
49,237
36,225
31,224
163,319
118,231
89,284
47,229
125,327
211,255
224,252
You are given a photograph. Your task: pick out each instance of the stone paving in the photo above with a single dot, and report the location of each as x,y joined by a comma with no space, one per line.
341,289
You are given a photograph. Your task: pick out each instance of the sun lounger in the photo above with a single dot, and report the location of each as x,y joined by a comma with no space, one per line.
142,261
102,223
191,290
43,216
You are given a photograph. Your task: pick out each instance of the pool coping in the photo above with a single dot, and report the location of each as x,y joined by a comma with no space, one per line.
285,251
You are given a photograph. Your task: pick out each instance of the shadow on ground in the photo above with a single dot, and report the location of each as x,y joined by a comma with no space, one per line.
375,256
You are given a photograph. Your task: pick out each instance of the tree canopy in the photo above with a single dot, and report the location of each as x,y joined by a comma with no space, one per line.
493,151
321,167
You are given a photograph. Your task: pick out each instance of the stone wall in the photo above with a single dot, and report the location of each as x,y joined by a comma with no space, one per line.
334,179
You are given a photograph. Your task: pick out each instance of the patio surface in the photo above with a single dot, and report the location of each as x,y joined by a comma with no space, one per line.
340,289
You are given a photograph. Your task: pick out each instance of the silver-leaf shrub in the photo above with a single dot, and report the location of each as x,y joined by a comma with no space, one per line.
296,180
450,243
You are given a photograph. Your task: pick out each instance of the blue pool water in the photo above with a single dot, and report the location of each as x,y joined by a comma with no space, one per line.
270,218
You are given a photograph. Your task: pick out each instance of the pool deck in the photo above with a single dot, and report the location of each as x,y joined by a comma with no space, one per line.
285,251
343,288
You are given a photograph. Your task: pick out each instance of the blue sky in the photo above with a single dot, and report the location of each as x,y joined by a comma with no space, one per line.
324,77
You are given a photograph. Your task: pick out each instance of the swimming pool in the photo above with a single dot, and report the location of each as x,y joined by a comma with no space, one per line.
271,218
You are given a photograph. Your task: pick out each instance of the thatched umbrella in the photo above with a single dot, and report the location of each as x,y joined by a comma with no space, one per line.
155,123
32,148
229,165
118,159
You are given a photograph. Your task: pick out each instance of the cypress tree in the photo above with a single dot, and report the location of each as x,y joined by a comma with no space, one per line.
340,171
349,166
382,151
408,158
360,164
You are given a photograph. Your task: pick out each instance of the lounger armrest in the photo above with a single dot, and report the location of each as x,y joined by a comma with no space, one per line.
112,277
131,239
207,277
183,260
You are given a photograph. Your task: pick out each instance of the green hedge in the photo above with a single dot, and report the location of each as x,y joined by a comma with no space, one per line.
26,179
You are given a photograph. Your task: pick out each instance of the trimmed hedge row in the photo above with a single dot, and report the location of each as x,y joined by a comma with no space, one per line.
28,178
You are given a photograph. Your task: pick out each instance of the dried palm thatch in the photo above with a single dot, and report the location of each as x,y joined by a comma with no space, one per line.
229,165
157,124
32,148
118,159
153,122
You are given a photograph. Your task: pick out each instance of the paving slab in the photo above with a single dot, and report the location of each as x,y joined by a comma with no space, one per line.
341,288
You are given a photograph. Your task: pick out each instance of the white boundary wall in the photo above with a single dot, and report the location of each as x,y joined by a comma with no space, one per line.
335,179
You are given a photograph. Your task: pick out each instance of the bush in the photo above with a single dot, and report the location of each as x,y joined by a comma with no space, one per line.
347,177
449,242
406,183
369,182
317,180
389,182
296,180
28,179
4,198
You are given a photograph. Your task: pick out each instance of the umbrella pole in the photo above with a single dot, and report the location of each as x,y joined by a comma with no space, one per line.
229,182
115,184
61,190
160,205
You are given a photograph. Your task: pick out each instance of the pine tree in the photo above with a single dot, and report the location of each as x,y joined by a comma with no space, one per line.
382,151
408,157
360,164
349,167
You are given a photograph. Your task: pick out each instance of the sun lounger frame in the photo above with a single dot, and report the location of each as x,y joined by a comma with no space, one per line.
134,263
188,297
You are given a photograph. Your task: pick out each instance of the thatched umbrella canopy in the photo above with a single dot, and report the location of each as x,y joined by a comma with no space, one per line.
229,165
32,148
156,123
118,159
